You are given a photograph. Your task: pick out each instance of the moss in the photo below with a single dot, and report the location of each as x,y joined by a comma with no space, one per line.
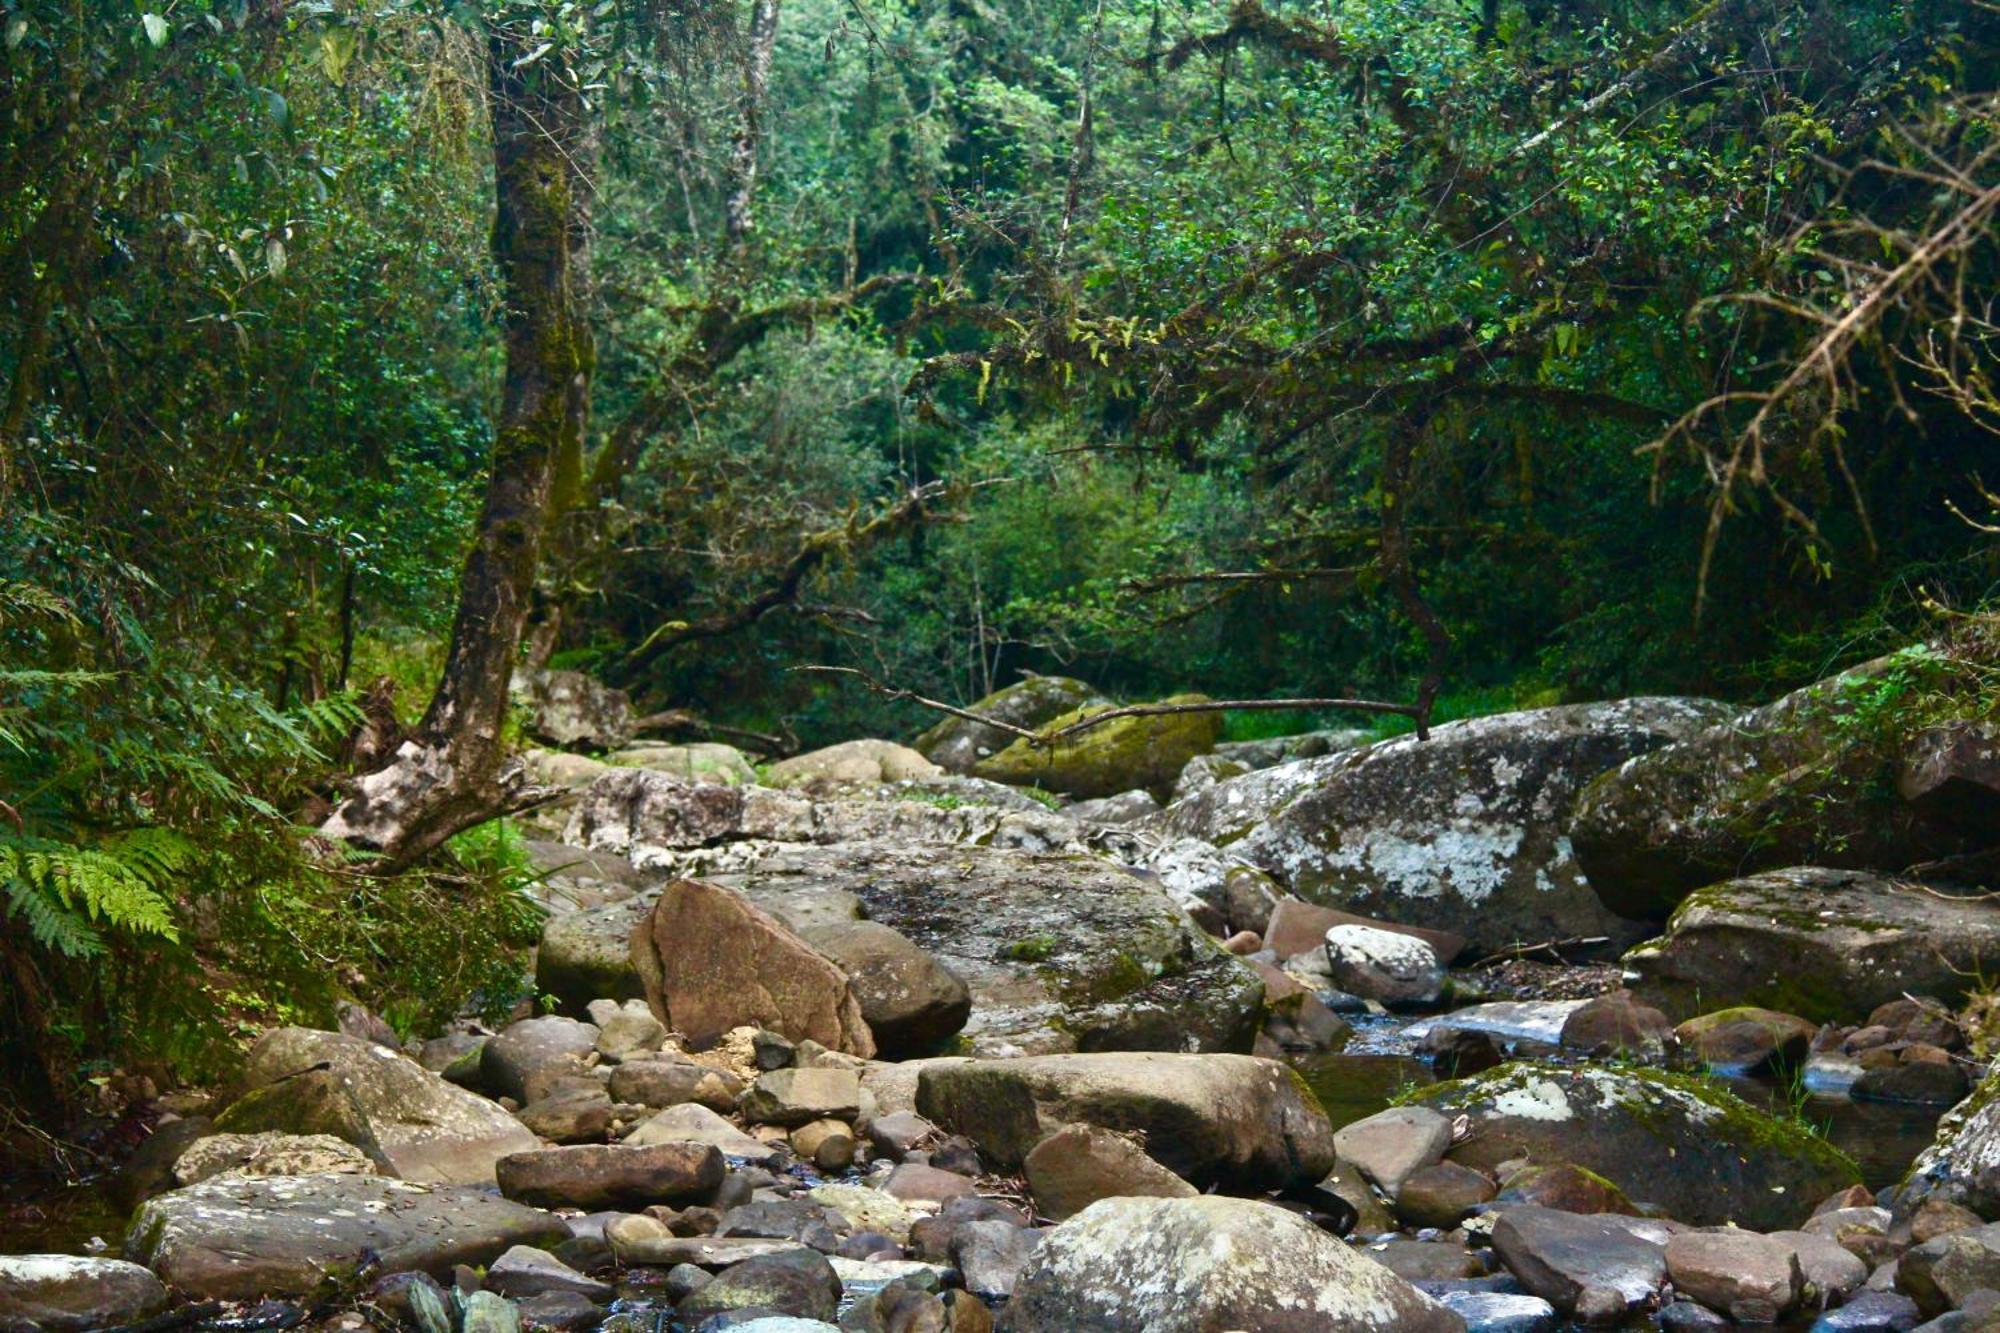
1033,949
1744,1126
1147,751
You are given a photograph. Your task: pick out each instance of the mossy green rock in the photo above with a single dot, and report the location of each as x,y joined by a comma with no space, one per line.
957,744
1147,751
1681,1144
1827,945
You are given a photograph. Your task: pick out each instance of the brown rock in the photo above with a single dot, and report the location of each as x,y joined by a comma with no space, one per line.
1570,1189
1747,1039
1751,1278
1616,1022
828,1144
608,1175
1936,1217
669,1082
711,961
913,1004
1298,927
1442,1195
1080,1164
1244,943
914,1182
1854,1196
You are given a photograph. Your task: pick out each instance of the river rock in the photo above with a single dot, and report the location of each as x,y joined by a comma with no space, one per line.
600,1175
1616,1024
1383,965
1702,1155
1210,1263
409,1121
1466,831
851,763
574,711
1787,784
670,1081
1594,1267
1751,1278
1204,771
1387,1148
1500,1312
691,1123
1825,945
1127,807
1294,926
270,1155
793,1097
1080,1164
626,1029
798,1282
711,961
1230,1119
1747,1040
1442,1195
236,1238
525,1060
1941,1273
61,1293
1137,751
707,762
526,1271
912,1003
958,744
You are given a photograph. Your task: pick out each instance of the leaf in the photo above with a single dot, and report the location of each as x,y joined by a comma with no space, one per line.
156,28
534,55
17,29
274,257
336,51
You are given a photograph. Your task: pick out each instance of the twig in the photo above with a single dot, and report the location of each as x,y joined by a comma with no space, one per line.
1551,947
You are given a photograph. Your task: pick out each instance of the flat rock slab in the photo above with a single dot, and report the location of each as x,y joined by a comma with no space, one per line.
1595,1266
239,1239
61,1293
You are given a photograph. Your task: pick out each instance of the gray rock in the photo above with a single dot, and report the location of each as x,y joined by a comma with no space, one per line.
233,1238
991,1255
270,1155
1204,771
913,1003
1302,745
1595,1266
708,762
1465,831
572,710
670,1081
1232,1119
1871,1312
958,744
409,1121
798,1282
1080,1164
1827,945
1383,965
570,1114
851,763
691,1123
1500,1312
1209,1263
626,1029
524,1270
565,1311
61,1292
612,1175
526,1058
1751,1278
1387,1148
792,1097
1940,1274
1127,807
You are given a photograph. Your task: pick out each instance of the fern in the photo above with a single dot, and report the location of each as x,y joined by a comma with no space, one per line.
50,924
119,884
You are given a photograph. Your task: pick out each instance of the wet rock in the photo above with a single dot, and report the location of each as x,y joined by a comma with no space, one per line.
1616,1024
792,1097
60,1293
851,763
1871,1312
958,744
1500,1312
1442,1195
1465,831
270,1155
912,1003
1691,1317
409,1121
1424,1261
524,1270
1595,1267
1231,1119
1699,1153
563,1311
1940,1274
1457,1052
1080,1164
1191,1265
1747,1040
1387,1148
711,961
233,1238
525,1059
1383,965
1139,751
799,1282
669,1081
610,1175
1962,1165
1826,945
574,711
1919,1082
1751,1278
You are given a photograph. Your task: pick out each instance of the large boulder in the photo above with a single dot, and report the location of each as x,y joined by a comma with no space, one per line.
574,711
1827,945
236,1238
912,1002
1962,1164
1143,1265
1699,1153
1235,1120
610,1175
958,744
1466,831
708,763
851,763
1139,751
1060,951
408,1120
711,961
61,1293
1811,779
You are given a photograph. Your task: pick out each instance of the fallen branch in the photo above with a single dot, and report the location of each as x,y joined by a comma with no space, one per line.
1553,948
679,720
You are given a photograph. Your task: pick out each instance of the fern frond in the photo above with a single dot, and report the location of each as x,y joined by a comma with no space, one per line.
334,716
50,924
116,884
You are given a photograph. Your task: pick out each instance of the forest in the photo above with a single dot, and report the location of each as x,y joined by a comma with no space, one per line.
1282,527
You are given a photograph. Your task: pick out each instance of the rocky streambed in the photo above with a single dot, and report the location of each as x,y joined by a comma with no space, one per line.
1462,1033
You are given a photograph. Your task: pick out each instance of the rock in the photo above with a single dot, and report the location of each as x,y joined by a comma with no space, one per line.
1500,1312
270,1155
1826,945
1302,745
579,1114
565,1311
587,954
1751,1278
612,1175
1919,1082
1230,1119
1204,771
1127,807
1383,965
526,1271
1939,1274
1616,1024
1566,1188
238,1239
897,1134
1935,1217
525,1059
912,1003
867,1209
1058,951
1871,1312
1210,1263
1387,1148
1137,751
798,1282
784,1219
1784,785
1293,927
1422,1261
668,1081
708,763
1699,1153
991,1255
1831,1272
638,1239
409,1121
827,1144
691,1123
556,768
572,710
1594,1267
1539,1022
1951,776
791,1097
1442,1195
958,744
61,1292
1465,831
1080,1164
851,763
626,1029
711,961
1747,1040
1457,1052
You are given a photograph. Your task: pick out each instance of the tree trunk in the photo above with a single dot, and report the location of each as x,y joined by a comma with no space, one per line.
450,774
738,217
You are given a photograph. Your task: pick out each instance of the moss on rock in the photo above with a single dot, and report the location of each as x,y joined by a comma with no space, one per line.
1143,751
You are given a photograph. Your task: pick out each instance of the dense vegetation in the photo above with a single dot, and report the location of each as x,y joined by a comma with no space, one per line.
1518,350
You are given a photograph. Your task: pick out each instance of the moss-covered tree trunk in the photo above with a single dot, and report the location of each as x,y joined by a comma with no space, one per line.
450,775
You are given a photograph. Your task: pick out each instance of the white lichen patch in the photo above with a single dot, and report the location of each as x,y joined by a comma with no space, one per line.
1533,1099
